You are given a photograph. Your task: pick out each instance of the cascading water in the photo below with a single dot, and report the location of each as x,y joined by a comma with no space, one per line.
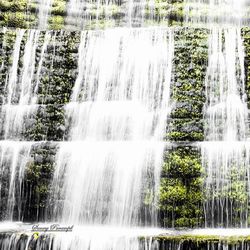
225,155
18,110
226,162
215,11
43,13
13,159
119,106
107,169
226,117
112,159
82,13
226,110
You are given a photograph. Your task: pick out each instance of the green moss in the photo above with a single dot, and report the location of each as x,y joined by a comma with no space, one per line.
56,22
181,196
199,239
13,5
7,40
181,192
173,12
191,53
180,164
58,8
16,19
38,174
185,136
246,39
184,240
12,12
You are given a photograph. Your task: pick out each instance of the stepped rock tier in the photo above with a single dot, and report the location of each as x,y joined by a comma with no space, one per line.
124,125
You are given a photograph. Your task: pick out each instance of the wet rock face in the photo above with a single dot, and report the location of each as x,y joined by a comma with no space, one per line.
181,194
60,14
57,76
54,64
22,241
203,245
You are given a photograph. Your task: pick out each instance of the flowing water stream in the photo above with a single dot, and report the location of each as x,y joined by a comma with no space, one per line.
117,114
108,165
44,8
215,11
18,111
225,153
225,156
87,14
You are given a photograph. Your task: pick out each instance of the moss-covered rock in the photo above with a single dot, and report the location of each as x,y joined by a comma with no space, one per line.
55,80
181,196
181,193
25,14
36,185
246,40
184,241
188,90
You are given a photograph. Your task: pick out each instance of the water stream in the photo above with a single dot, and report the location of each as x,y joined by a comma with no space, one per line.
44,8
108,168
108,161
220,12
87,14
225,151
18,112
112,159
225,155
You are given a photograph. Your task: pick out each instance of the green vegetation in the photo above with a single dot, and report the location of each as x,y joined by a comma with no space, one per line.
199,239
186,123
246,37
181,189
39,172
181,194
47,123
24,14
201,242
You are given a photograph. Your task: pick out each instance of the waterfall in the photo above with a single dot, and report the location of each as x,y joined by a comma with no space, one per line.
108,167
13,159
108,95
85,14
110,164
112,239
215,11
227,183
19,88
225,153
44,8
18,111
226,110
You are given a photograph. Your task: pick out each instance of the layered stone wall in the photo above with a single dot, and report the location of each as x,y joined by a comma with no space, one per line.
181,192
24,14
